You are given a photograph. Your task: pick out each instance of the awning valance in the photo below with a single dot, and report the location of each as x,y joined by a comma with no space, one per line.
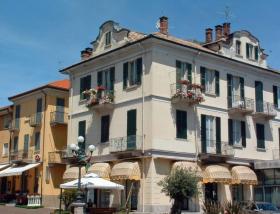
188,165
243,175
217,174
17,170
72,173
126,171
103,170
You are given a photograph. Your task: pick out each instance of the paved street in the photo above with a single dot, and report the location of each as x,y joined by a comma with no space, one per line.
15,210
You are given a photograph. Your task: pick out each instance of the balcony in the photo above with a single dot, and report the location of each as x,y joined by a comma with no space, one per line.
186,93
58,118
57,157
100,99
265,110
214,151
14,125
22,155
126,144
239,105
35,119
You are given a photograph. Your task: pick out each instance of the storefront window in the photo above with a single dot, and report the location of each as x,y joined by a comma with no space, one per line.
268,194
277,176
237,192
268,176
258,193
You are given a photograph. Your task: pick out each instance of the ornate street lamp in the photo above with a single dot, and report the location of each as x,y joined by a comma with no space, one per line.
81,159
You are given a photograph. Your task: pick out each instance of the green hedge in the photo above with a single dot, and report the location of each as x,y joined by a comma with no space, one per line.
29,207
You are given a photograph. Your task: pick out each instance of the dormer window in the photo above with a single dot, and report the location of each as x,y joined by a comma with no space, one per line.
238,47
252,52
108,38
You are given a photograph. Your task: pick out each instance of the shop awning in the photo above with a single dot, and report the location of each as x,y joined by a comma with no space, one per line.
17,170
2,166
216,174
103,170
188,165
72,173
126,171
243,175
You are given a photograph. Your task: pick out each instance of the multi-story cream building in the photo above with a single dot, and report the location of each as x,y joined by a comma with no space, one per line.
152,102
38,139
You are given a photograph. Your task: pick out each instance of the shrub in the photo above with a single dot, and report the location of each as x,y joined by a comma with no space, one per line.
68,196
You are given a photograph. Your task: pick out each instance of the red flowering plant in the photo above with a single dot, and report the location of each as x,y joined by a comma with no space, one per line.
184,82
191,92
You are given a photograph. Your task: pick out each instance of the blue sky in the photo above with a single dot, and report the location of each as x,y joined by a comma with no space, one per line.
38,37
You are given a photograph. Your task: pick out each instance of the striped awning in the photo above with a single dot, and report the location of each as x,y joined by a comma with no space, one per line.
188,165
103,170
243,175
217,174
72,173
126,171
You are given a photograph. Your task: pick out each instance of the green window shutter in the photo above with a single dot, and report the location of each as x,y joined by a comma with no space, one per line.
247,50
131,122
125,75
242,91
39,105
217,83
26,142
82,88
181,124
15,146
256,53
99,78
243,133
229,90
82,132
275,95
17,114
203,133
218,135
139,70
230,132
260,135
85,84
37,141
112,78
105,126
259,96
189,66
202,78
178,70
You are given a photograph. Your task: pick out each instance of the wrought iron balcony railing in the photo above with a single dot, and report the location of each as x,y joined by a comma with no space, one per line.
22,155
35,119
57,117
188,93
240,104
216,148
14,124
57,156
265,109
128,143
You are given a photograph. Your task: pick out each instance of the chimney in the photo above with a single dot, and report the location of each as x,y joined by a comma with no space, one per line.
86,53
163,25
226,29
219,31
208,35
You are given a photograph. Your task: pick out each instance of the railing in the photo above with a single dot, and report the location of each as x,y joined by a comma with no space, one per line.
100,97
57,117
241,103
21,155
35,119
57,156
190,93
276,154
129,143
216,147
14,124
33,200
266,108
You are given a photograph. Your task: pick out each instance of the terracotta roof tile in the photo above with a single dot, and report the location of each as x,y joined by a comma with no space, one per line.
64,84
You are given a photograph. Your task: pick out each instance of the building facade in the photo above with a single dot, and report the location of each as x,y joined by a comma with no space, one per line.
38,132
152,102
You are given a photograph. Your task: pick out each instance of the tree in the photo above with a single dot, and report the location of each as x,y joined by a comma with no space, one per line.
181,184
68,196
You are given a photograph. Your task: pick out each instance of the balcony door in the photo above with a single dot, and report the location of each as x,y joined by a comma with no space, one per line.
59,113
259,96
131,129
210,135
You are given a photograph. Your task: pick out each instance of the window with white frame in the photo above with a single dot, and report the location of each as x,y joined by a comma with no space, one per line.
210,81
250,49
210,131
236,132
238,47
5,149
132,73
108,38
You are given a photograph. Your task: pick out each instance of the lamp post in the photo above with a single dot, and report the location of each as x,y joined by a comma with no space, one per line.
81,159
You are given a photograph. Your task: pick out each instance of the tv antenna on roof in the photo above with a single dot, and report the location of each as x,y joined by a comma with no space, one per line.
227,14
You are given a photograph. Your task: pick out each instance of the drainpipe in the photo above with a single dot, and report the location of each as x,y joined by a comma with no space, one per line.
45,111
195,108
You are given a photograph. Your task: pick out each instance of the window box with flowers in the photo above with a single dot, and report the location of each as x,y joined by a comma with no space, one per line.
187,92
99,98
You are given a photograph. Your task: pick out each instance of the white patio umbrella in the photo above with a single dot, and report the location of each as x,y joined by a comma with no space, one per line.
92,181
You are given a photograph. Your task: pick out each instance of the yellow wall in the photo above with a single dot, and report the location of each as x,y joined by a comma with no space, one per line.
4,138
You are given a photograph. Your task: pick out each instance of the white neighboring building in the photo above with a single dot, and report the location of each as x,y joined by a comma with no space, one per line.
149,114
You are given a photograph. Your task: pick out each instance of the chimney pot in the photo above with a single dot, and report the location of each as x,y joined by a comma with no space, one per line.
219,31
163,25
86,53
208,35
226,29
